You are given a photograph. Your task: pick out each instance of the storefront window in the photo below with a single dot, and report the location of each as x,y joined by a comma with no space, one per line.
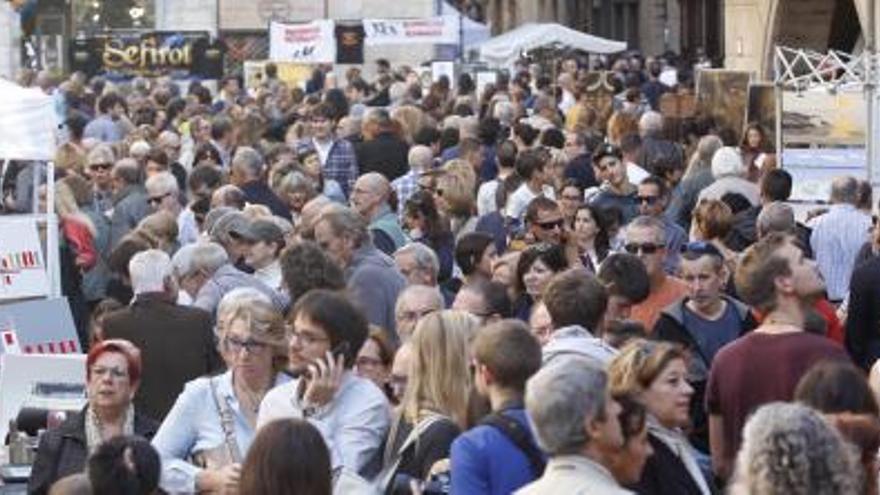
91,16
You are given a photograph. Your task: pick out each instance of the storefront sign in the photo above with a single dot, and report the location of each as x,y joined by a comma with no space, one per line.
150,54
438,30
311,43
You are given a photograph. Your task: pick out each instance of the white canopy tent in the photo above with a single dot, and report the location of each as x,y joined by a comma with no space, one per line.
505,49
28,126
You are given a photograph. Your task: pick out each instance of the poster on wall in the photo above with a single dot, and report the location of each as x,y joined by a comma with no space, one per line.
311,42
22,266
156,53
762,108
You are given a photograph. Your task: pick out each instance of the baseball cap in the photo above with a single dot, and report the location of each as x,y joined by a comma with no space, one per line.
233,224
267,231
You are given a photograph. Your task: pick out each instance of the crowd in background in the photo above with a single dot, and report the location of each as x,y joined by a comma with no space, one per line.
424,289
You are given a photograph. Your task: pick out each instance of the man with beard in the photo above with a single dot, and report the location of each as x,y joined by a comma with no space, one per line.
765,366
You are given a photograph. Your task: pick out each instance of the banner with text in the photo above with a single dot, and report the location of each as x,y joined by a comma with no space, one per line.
437,30
312,42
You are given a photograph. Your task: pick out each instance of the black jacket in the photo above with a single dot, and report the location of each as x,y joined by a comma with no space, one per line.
670,326
664,473
177,345
258,192
63,451
385,154
863,321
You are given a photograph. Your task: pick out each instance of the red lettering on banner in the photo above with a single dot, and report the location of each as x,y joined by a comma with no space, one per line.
9,338
28,349
301,34
51,347
72,346
40,349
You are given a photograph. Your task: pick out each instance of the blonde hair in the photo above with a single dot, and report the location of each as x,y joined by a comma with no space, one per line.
440,378
639,363
458,183
411,119
161,225
260,316
67,208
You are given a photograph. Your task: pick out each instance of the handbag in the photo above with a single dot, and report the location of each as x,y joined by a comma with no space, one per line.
385,479
227,453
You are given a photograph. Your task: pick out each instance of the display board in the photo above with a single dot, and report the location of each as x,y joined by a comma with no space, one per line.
723,95
40,326
312,42
22,266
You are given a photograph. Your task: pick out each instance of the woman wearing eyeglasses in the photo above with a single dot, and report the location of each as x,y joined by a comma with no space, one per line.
113,370
213,421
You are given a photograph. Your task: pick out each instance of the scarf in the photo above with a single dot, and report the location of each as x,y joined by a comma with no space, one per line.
93,427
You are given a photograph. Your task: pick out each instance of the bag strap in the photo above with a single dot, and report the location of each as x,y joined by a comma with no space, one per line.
226,423
517,433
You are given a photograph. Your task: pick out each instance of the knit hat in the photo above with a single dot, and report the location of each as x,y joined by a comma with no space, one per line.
727,161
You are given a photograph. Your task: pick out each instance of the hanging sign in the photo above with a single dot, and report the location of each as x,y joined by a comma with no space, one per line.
436,30
22,267
154,53
311,42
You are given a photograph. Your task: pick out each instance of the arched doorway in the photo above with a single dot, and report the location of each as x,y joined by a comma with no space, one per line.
818,25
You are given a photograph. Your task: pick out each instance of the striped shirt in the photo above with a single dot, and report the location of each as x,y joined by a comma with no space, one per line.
837,237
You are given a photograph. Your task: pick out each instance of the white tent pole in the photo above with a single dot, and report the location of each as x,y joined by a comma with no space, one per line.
53,265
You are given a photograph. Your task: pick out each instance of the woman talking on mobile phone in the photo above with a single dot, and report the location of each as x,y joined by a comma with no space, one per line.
213,421
351,412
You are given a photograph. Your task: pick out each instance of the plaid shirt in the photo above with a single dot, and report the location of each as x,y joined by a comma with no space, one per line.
341,164
405,186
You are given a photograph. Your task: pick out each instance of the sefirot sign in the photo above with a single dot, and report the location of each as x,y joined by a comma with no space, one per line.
149,54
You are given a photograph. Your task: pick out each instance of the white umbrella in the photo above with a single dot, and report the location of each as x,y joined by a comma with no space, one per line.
505,49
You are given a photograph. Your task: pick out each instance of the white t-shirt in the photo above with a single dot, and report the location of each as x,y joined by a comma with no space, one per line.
323,149
486,197
520,199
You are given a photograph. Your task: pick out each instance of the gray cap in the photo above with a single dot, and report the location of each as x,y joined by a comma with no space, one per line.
267,231
233,223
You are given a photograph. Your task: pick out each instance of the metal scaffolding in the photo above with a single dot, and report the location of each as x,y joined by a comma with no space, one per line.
801,70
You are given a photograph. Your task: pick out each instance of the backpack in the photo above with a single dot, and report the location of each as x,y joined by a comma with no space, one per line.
518,433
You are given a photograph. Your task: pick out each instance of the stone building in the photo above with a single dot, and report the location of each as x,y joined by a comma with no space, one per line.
754,27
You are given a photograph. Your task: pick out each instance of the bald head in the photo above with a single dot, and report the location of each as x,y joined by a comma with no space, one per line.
420,158
370,193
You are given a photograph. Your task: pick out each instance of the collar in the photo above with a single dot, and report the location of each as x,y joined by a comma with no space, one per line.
580,463
151,297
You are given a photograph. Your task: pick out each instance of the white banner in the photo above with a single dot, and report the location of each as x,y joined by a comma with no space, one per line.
312,42
22,267
437,30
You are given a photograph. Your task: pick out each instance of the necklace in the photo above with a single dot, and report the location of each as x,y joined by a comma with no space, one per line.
248,398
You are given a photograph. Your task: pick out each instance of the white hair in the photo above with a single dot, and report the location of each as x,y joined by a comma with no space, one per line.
420,157
139,149
505,112
727,161
163,183
651,124
149,271
433,294
561,398
207,256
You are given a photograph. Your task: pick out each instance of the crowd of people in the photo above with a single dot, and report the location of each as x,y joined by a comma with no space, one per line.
380,287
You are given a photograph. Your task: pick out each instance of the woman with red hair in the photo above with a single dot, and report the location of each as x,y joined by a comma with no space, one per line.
113,371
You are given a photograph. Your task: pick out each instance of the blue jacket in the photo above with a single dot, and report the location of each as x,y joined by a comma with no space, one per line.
374,283
485,461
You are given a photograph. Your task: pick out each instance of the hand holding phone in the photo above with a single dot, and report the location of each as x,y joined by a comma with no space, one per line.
323,379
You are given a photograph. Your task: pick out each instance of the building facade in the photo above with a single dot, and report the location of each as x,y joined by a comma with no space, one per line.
754,27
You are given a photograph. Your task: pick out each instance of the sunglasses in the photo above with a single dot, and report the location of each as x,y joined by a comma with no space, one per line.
646,248
154,200
100,166
556,224
650,200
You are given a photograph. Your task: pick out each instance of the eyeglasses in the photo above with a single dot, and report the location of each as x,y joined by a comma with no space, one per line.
305,338
555,224
154,200
115,373
100,166
235,345
650,200
645,248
